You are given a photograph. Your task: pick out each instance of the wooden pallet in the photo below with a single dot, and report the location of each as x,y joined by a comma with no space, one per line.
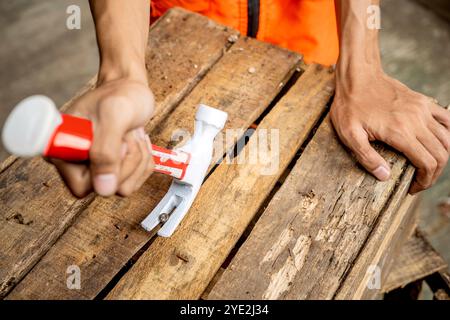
417,260
310,229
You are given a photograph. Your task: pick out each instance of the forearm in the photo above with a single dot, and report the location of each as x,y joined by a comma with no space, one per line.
359,50
122,32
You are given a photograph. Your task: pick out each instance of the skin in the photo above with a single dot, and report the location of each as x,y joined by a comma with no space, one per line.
368,105
119,106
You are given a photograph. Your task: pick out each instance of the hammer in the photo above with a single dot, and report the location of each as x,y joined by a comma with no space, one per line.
35,127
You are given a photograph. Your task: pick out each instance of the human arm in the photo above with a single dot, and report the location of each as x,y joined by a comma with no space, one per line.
119,106
369,105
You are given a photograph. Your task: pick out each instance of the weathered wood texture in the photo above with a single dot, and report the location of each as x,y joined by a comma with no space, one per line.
107,233
394,227
36,207
180,267
439,283
306,241
417,260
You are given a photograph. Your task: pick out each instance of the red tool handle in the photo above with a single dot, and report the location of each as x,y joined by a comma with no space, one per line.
72,140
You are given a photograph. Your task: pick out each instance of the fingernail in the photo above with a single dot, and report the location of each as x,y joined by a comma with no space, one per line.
105,184
382,173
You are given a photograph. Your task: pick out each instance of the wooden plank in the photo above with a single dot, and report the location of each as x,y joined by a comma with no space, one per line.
181,267
439,283
35,206
393,229
313,229
107,234
417,260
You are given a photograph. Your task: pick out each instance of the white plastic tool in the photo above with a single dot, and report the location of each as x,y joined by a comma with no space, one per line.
176,203
35,127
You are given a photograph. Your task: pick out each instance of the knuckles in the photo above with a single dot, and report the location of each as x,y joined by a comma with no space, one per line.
441,161
430,167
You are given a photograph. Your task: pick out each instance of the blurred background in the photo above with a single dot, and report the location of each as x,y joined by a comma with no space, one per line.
40,55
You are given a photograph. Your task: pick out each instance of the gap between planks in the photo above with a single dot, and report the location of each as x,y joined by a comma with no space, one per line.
32,188
262,208
292,80
393,228
417,260
211,228
321,216
307,241
102,250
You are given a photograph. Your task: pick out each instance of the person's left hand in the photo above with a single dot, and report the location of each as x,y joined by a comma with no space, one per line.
380,108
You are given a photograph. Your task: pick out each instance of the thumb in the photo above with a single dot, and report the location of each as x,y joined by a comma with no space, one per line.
106,156
357,140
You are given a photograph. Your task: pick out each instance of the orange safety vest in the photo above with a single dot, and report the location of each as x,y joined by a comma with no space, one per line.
305,26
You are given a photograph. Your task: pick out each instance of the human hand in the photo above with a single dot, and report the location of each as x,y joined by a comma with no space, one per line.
378,107
120,156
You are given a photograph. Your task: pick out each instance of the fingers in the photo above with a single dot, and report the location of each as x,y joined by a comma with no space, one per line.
105,154
136,166
441,133
441,115
115,108
436,149
148,169
133,156
140,169
356,138
420,157
76,176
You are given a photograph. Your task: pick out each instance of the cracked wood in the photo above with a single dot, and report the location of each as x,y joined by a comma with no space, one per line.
33,189
107,234
321,216
226,203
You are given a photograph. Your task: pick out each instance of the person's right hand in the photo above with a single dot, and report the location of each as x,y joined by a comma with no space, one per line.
120,156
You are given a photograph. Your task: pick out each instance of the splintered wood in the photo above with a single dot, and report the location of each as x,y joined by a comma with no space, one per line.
33,189
243,238
225,205
107,233
417,259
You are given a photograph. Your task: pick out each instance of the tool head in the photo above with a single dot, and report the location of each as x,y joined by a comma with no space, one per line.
208,123
30,125
181,194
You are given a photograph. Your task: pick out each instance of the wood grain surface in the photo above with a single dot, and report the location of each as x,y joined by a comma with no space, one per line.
107,234
180,267
308,238
35,206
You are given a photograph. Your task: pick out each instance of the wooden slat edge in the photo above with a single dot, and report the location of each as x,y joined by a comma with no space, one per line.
33,191
384,243
313,228
417,260
102,249
394,226
181,267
